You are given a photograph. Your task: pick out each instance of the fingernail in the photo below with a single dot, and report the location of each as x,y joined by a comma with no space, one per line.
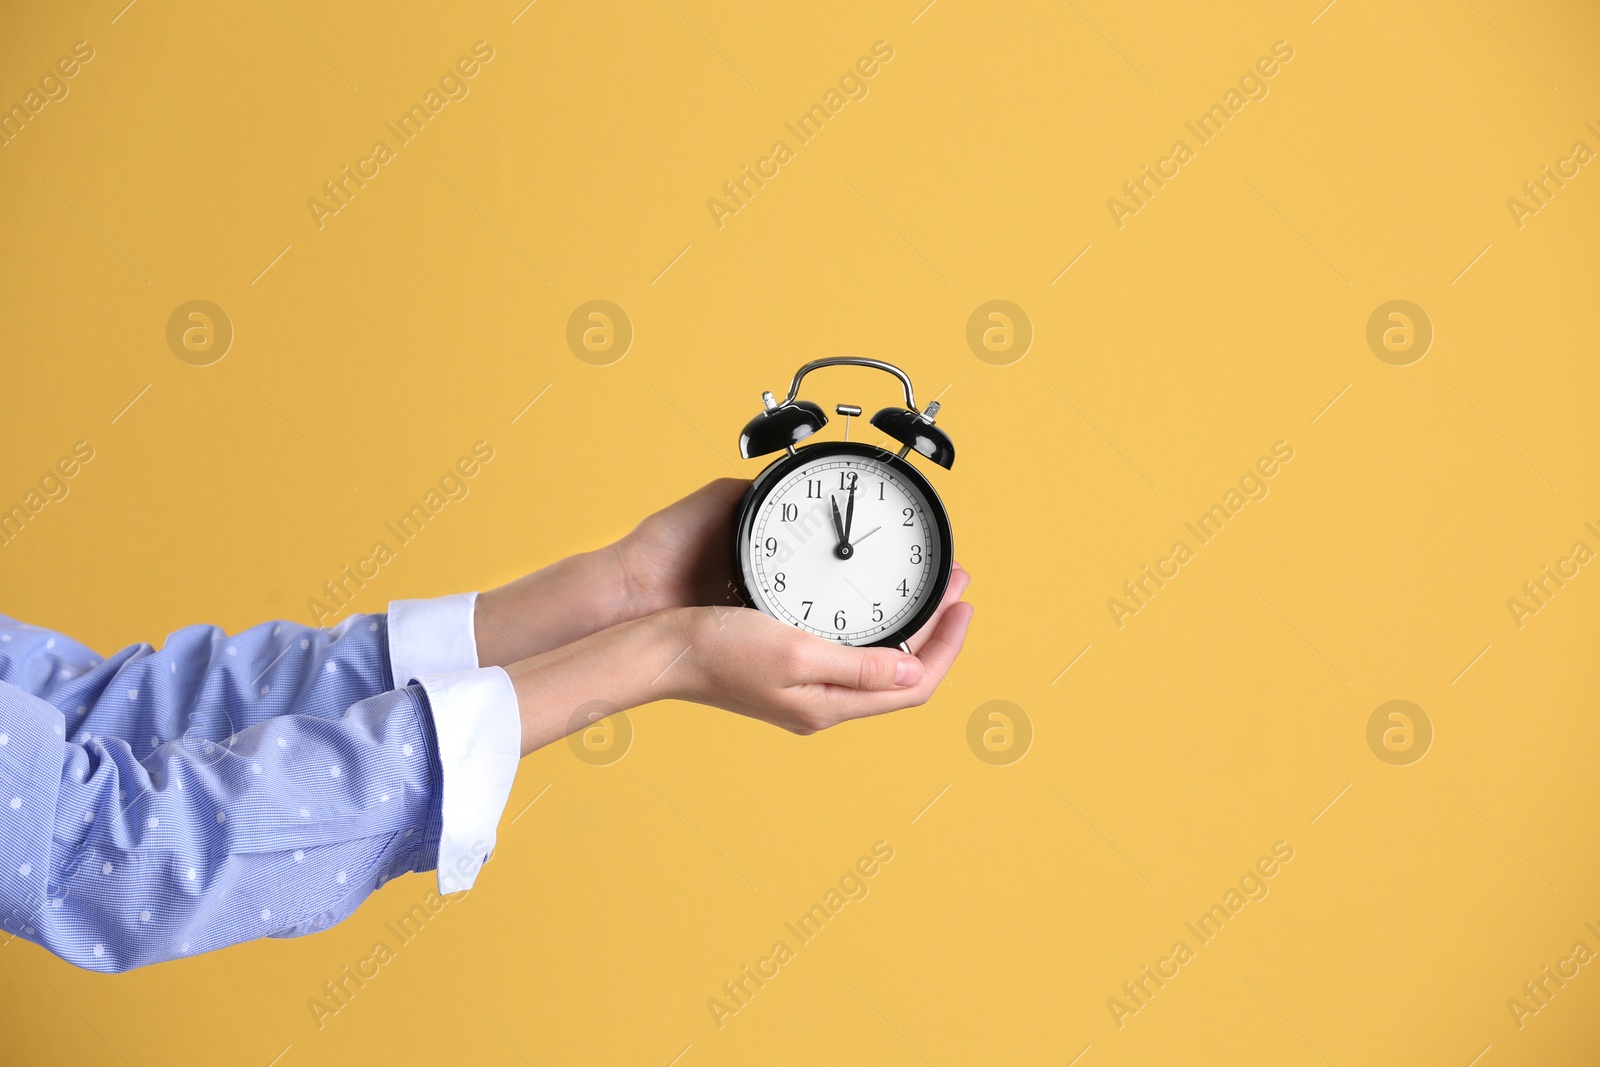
907,671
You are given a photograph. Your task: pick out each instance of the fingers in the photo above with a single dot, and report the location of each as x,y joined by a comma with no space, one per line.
941,650
854,682
938,655
959,580
862,669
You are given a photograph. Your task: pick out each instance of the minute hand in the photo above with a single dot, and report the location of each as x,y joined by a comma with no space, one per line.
864,536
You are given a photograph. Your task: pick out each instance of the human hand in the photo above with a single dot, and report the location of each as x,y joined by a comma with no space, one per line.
752,664
680,556
737,659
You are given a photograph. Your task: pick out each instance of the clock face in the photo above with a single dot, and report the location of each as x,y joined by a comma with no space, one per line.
846,542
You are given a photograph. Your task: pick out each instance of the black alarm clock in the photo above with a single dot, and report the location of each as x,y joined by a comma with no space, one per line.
841,539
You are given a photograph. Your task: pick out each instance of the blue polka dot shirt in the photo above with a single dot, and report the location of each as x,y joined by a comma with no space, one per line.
158,804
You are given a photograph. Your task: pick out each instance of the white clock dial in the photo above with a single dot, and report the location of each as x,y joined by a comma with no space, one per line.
859,588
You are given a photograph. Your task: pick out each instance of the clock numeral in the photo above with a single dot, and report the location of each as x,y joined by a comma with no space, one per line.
814,489
807,605
845,476
779,582
772,547
838,619
908,513
916,553
791,512
905,588
877,613
880,490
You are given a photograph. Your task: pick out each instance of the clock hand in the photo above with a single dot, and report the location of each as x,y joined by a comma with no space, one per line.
842,549
864,536
850,513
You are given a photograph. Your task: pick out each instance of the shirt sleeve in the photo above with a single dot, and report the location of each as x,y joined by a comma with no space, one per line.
113,860
434,643
203,683
479,732
435,636
204,690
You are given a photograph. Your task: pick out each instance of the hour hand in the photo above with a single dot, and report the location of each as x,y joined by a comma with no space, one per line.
842,548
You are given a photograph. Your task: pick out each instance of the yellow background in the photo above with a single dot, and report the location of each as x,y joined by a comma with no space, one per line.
1223,317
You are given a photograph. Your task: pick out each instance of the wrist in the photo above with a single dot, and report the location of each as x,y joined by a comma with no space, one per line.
636,598
675,633
625,666
551,607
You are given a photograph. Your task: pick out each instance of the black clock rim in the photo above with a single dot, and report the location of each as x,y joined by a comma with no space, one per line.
777,470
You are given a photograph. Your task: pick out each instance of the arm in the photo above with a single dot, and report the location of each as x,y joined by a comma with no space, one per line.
680,556
205,683
210,737
91,750
260,835
112,861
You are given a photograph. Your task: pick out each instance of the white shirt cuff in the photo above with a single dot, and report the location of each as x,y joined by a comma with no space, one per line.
431,637
479,732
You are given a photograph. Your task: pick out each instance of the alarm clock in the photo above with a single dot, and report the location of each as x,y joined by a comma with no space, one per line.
845,540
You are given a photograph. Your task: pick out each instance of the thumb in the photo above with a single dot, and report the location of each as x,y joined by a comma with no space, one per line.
866,669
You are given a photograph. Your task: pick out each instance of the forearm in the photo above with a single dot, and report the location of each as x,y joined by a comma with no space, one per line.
203,683
113,862
622,667
554,606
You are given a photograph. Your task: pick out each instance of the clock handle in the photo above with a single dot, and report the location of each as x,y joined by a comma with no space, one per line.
852,361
